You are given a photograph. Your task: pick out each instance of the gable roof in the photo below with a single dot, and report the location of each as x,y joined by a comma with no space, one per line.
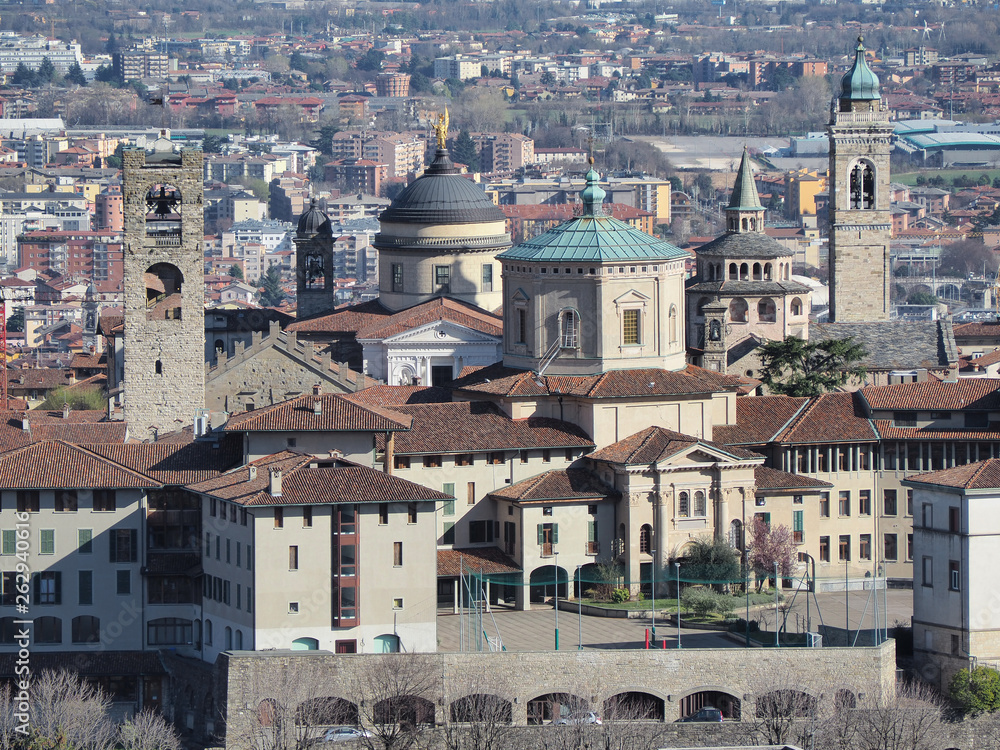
347,319
766,478
565,485
896,345
488,560
398,395
659,444
759,419
984,475
440,308
968,393
829,418
337,414
176,463
54,464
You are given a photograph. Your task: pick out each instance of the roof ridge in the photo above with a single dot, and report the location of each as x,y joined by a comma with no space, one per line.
976,473
797,418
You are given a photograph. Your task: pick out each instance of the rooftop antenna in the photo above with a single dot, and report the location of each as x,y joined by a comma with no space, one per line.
927,31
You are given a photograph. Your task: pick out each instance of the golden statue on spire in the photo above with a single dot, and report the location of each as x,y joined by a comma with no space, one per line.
441,129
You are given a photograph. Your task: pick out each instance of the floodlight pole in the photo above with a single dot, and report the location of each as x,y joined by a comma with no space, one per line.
677,570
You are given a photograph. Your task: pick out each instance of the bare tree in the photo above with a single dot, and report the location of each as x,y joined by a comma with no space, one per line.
8,723
393,709
67,709
633,722
909,718
481,718
147,730
783,709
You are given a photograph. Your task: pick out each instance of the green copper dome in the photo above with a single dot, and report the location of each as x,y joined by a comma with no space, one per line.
592,195
860,83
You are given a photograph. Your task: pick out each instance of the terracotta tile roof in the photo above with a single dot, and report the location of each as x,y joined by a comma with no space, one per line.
979,329
759,419
176,463
57,416
489,560
987,359
310,481
658,444
398,395
338,414
766,478
471,426
347,319
887,431
55,464
89,663
79,433
830,418
505,381
81,361
984,475
440,308
573,485
38,378
111,323
967,393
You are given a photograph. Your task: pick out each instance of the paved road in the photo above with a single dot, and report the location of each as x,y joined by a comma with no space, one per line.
534,630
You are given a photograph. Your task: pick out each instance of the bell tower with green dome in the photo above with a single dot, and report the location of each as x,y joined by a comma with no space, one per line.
860,219
593,295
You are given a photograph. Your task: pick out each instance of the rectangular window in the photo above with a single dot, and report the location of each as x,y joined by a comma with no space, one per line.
480,532
239,555
864,502
904,418
909,502
845,547
239,596
229,551
546,456
630,327
927,515
909,546
105,501
397,602
66,501
249,599
279,518
123,545
844,503
432,461
954,520
307,517
442,277
465,459
401,462
85,541
293,557
824,549
411,513
383,514
48,587
124,582
928,572
496,458
524,456
449,505
954,576
397,277
889,548
218,548
449,533
488,277
798,527
9,541
27,501
397,554
348,560
522,326
865,547
889,502
211,507
225,592
47,542
85,578
824,505
472,493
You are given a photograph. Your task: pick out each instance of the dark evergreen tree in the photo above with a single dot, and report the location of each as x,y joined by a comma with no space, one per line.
464,151
271,293
46,71
75,75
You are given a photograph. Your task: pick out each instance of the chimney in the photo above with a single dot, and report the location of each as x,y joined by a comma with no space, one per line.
274,482
317,389
387,459
317,407
252,472
65,411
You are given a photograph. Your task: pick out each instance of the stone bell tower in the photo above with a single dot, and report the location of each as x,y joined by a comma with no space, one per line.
860,219
164,332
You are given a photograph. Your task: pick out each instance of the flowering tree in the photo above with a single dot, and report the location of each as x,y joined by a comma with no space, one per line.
770,545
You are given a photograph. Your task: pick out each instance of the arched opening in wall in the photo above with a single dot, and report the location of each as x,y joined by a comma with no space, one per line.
758,272
305,644
633,706
327,710
158,367
220,346
738,310
768,272
788,271
551,706
844,699
314,271
736,534
591,578
86,629
386,644
405,710
484,709
164,283
683,504
542,583
744,272
745,224
785,703
728,704
672,324
796,307
700,504
269,713
239,640
766,311
862,185
163,213
229,638
645,539
569,329
734,272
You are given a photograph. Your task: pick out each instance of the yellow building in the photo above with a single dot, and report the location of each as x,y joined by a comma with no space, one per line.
801,188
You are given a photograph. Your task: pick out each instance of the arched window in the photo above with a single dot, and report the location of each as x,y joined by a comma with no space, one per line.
208,632
796,306
768,270
645,539
672,319
86,629
862,186
734,272
736,534
163,217
766,311
758,272
164,283
174,631
738,310
229,638
683,505
239,640
47,630
744,272
569,329
700,508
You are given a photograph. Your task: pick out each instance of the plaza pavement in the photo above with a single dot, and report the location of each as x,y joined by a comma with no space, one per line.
534,630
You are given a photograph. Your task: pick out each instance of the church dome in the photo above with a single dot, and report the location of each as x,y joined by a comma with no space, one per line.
441,196
313,221
860,83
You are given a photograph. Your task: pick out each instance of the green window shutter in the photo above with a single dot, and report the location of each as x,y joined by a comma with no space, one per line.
86,587
555,533
797,521
85,541
591,531
541,533
36,588
449,505
58,577
449,533
9,541
47,539
448,488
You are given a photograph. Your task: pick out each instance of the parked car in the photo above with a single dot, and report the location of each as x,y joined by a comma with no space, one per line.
706,714
580,717
343,734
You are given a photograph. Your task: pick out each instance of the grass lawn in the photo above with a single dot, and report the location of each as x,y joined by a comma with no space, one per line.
910,178
661,605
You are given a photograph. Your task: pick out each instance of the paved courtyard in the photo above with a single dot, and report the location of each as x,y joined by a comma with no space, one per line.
534,630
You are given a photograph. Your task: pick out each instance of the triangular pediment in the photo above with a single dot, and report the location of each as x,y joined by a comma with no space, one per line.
520,295
632,295
699,453
441,332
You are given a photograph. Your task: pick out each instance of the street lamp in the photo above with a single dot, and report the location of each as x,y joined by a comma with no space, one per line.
579,607
776,625
654,597
557,601
677,570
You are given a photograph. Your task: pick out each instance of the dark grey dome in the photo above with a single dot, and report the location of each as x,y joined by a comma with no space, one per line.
313,221
442,196
744,245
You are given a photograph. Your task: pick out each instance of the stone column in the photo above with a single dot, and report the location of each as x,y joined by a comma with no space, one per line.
722,512
661,539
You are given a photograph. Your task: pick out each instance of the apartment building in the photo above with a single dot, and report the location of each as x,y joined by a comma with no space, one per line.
129,66
504,152
29,51
461,67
